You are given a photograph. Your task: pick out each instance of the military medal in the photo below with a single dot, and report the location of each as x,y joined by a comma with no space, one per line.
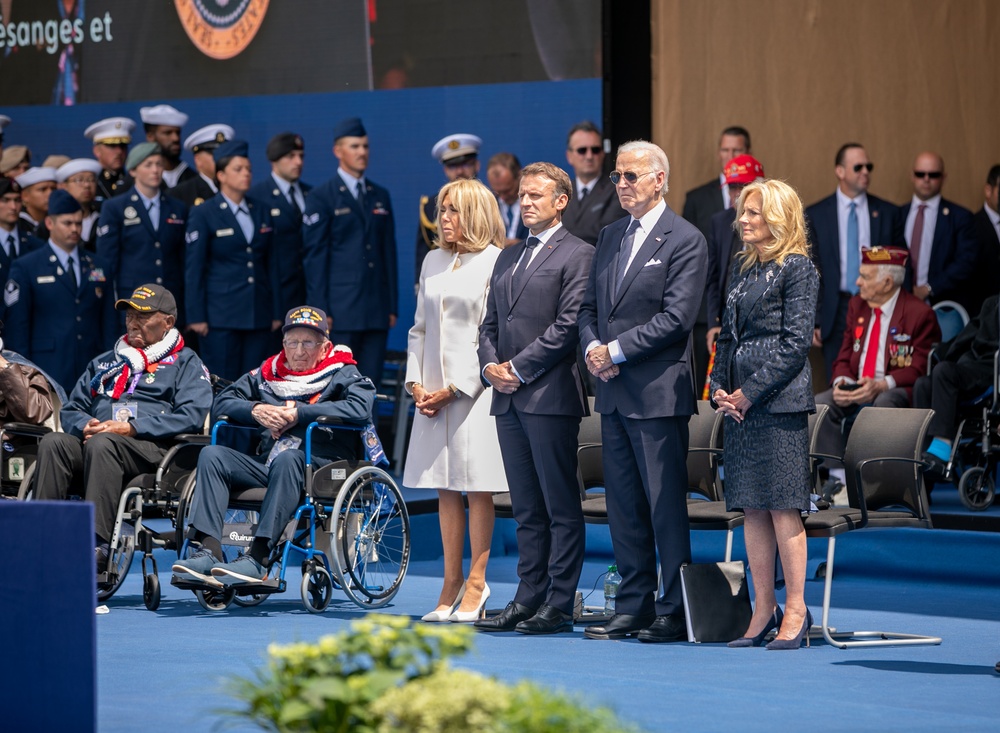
859,331
894,355
149,379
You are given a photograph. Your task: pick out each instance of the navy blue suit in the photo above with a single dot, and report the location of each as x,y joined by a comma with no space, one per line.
987,279
136,251
350,264
57,326
954,256
723,244
534,326
231,284
645,409
287,240
824,238
27,242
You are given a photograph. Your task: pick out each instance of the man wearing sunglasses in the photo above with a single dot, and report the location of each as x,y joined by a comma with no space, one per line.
594,203
642,298
939,233
840,226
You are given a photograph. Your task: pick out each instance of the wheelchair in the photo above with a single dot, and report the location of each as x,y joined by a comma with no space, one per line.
352,532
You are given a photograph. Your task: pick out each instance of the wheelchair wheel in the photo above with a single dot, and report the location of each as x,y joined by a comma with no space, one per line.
976,488
119,562
215,600
151,592
370,537
316,587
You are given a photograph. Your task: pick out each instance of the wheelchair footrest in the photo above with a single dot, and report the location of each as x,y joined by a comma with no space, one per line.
264,587
194,584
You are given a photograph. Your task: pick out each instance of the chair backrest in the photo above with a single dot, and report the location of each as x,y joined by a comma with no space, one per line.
889,432
590,427
951,317
704,434
815,423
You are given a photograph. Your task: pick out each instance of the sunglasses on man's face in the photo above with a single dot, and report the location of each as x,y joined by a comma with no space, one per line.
933,175
629,176
593,149
867,166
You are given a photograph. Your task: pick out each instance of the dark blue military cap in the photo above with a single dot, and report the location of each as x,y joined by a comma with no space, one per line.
61,202
351,127
231,148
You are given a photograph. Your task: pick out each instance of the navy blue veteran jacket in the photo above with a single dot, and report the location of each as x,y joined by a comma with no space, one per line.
57,326
350,258
348,396
287,240
172,400
229,282
139,254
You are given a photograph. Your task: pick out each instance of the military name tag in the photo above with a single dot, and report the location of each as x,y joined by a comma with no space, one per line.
224,232
131,222
124,411
275,212
341,212
43,279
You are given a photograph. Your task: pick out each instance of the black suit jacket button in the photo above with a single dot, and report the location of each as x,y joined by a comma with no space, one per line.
510,318
611,319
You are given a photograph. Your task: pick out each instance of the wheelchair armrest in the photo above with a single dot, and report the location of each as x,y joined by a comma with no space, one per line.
832,457
26,429
196,438
329,420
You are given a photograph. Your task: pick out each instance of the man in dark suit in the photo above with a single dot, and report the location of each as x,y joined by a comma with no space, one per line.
503,172
642,298
284,194
708,199
939,234
349,247
840,227
594,203
986,224
202,144
527,351
60,304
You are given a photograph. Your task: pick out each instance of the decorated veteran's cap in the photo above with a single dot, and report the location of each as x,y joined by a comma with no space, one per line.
351,127
885,256
149,298
36,175
162,114
305,316
743,169
282,144
9,185
457,148
62,202
13,157
139,153
78,165
111,131
208,138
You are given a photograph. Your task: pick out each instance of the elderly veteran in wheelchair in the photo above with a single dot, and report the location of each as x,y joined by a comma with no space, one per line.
125,411
310,378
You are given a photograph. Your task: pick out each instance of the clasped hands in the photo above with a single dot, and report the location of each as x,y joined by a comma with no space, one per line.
431,403
502,377
95,426
600,365
734,404
277,419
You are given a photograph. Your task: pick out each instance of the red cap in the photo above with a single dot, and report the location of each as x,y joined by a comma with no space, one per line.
743,169
885,256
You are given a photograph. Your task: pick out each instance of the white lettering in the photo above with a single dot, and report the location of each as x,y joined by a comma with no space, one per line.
96,27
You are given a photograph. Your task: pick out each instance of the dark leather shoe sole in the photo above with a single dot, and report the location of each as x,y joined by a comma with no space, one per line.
526,627
653,637
504,621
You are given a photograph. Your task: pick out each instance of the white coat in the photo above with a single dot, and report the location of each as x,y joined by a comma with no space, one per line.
458,448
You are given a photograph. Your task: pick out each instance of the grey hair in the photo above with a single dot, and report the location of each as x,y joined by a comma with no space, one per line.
896,272
654,155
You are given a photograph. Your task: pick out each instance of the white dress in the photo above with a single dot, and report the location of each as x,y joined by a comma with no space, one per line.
458,448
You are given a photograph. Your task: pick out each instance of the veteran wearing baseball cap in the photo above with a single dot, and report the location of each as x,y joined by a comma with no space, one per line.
202,144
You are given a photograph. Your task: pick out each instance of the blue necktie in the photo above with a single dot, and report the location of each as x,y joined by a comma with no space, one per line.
853,250
624,253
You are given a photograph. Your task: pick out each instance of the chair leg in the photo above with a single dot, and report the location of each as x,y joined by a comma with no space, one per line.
729,545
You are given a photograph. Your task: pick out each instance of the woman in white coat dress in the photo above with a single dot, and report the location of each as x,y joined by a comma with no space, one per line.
453,445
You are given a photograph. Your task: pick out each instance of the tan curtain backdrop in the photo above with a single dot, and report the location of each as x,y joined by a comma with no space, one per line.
805,76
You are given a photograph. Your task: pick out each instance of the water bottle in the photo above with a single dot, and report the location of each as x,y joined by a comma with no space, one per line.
611,582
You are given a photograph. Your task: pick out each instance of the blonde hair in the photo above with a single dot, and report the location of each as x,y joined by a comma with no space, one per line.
782,211
478,213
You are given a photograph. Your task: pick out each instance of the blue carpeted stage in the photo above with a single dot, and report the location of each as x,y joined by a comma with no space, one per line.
166,671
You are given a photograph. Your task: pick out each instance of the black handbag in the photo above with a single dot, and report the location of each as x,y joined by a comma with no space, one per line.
716,601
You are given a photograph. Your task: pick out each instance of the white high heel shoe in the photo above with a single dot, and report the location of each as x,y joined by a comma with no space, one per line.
468,616
445,615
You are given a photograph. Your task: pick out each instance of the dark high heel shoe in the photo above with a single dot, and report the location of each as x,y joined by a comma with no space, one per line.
774,623
780,644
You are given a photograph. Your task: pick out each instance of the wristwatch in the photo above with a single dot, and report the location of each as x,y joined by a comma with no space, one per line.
454,391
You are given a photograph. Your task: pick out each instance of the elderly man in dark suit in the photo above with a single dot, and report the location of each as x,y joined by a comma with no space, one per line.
349,252
840,226
594,203
642,299
527,351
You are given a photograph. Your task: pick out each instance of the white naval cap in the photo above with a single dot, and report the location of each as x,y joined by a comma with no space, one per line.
163,114
456,148
4,121
112,131
208,137
38,174
77,165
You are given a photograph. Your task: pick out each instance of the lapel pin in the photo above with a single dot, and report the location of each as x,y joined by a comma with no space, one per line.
945,211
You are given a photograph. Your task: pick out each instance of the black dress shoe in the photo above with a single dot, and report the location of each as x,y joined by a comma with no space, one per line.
620,626
671,627
548,620
507,619
936,470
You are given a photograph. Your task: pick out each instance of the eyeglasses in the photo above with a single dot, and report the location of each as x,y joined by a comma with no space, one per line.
629,176
867,166
933,175
594,150
307,345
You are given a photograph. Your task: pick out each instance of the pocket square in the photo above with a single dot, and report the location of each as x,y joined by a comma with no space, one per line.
653,263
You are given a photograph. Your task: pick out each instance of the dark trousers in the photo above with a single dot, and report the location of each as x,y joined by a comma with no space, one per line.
221,469
230,353
105,463
836,427
835,339
539,459
368,348
950,383
645,472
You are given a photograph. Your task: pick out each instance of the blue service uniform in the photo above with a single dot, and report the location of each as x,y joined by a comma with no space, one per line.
287,240
137,252
26,242
232,285
348,396
172,399
58,326
350,264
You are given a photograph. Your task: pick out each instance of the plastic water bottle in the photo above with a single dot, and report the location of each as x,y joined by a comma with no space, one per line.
611,582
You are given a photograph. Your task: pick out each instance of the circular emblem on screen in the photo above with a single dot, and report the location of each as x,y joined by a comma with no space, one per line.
221,29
